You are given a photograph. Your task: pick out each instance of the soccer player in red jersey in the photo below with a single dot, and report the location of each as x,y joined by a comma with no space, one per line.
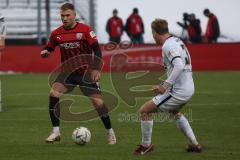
76,42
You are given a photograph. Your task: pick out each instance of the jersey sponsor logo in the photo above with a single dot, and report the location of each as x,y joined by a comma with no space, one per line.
92,34
70,45
79,36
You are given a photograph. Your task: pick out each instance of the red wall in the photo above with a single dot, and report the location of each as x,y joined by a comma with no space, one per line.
215,57
27,59
204,57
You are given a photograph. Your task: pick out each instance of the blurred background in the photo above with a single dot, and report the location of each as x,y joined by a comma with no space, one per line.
26,25
33,20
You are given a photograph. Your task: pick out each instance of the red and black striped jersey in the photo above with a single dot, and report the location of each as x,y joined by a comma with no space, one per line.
75,46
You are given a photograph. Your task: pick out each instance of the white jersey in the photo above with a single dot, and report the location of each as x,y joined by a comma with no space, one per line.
182,83
2,28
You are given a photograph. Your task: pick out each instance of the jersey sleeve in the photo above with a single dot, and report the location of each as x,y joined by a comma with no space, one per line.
91,36
171,53
178,67
51,43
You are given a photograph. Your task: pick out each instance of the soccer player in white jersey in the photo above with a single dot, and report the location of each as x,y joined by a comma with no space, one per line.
173,93
2,33
2,46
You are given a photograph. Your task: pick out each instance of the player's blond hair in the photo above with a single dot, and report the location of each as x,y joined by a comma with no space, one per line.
160,26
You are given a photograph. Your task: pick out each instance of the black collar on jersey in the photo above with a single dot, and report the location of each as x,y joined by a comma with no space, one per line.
169,37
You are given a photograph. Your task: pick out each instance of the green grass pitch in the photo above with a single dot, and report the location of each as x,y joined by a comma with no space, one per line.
214,112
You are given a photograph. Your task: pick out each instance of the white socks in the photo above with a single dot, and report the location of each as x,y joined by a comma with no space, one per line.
184,126
146,127
56,130
110,131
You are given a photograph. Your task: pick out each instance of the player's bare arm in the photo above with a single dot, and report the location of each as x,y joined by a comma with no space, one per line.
95,75
162,88
158,89
2,43
2,33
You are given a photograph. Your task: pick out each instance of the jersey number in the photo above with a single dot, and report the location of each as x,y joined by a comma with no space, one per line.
187,59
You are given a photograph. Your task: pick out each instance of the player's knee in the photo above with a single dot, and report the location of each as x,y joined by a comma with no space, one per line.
142,110
144,114
175,115
97,102
54,93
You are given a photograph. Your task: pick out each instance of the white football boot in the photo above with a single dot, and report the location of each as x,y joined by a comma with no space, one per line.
111,138
54,136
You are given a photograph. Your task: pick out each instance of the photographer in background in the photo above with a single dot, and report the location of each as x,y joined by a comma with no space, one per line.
194,29
184,25
191,28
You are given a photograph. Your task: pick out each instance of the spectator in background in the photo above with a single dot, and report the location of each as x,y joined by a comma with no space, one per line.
194,29
213,29
114,27
2,33
135,27
191,28
184,25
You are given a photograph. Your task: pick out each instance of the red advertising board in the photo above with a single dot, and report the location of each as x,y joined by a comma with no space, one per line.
205,57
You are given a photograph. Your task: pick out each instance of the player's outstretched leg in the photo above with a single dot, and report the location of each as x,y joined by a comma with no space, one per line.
103,114
184,126
146,128
54,111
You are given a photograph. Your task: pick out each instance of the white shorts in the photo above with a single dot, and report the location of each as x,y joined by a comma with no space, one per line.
166,102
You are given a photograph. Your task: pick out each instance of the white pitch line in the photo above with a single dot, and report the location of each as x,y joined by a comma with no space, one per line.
192,104
29,109
23,119
212,104
26,94
217,92
43,94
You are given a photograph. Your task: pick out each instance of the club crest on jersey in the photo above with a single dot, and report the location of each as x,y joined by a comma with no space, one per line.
58,38
79,36
92,34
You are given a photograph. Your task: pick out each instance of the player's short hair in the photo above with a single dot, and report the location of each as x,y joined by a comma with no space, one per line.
160,26
67,6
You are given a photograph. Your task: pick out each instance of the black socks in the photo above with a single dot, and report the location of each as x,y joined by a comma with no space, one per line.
54,111
103,114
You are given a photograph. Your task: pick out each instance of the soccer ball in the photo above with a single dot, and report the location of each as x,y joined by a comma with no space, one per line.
81,135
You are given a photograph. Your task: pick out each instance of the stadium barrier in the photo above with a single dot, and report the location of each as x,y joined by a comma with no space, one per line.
205,57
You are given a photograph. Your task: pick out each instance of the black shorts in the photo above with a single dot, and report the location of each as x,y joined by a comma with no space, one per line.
84,82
